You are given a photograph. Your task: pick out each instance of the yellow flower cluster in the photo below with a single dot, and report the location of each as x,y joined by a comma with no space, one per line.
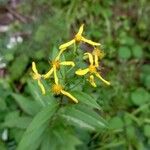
91,70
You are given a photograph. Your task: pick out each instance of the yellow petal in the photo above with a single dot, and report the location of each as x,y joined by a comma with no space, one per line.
41,87
80,30
59,54
91,80
100,77
55,75
47,75
67,63
34,68
90,57
69,95
96,60
90,42
64,46
81,72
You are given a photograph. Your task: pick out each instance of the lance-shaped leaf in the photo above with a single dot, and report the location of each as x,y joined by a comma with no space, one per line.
86,99
84,117
37,127
42,100
28,106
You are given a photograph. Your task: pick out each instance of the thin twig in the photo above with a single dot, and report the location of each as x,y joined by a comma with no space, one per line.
17,15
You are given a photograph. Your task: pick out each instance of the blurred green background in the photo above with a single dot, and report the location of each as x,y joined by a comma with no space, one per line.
30,29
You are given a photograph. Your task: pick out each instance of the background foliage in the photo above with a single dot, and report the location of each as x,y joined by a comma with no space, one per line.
122,27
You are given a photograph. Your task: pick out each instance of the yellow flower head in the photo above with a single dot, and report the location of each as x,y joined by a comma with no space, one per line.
92,70
56,66
98,54
56,63
57,89
37,76
78,38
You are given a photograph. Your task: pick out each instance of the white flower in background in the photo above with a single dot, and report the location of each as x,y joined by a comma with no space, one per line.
13,41
19,39
2,64
5,135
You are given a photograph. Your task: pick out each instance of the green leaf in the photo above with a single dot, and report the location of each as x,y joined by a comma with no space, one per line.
2,146
137,51
63,136
18,122
116,123
124,52
130,131
17,70
2,104
83,117
147,130
37,127
28,106
147,81
46,142
17,133
127,119
53,53
140,96
58,138
49,141
40,34
42,100
86,99
145,75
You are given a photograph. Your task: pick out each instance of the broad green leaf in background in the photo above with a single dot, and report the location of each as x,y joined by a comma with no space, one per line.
145,75
137,51
86,99
130,131
83,117
18,122
116,123
147,81
2,146
17,133
37,127
14,119
140,96
2,104
28,106
127,119
3,95
17,70
127,40
147,130
40,33
124,52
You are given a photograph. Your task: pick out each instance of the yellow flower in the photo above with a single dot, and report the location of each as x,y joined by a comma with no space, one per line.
78,38
98,54
58,89
56,66
92,70
37,76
